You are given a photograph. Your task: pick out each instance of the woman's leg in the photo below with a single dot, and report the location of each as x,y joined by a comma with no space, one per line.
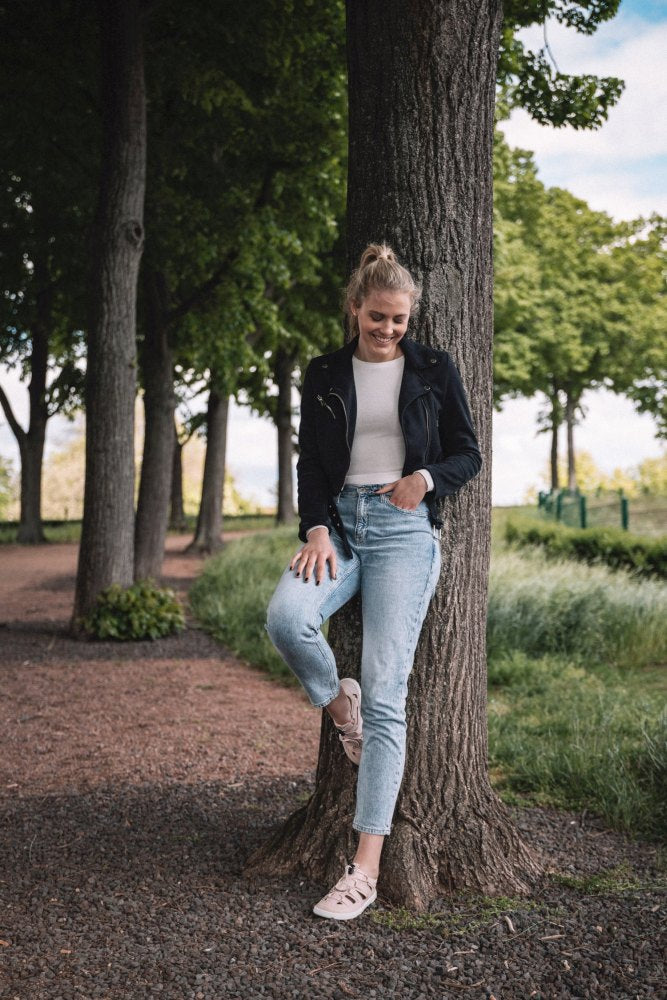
294,622
400,567
368,853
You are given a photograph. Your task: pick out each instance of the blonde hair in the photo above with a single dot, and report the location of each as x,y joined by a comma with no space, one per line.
378,270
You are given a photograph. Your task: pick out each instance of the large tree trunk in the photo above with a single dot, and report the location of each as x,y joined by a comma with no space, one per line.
208,534
283,376
177,519
570,408
159,402
422,82
106,554
555,426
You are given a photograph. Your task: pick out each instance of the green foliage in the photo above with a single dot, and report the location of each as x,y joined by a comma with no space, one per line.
644,557
579,300
7,486
527,78
539,605
142,611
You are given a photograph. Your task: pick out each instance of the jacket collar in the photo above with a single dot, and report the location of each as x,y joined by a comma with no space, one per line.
418,357
419,361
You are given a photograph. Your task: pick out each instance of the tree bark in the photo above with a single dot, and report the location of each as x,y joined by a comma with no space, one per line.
208,534
570,409
555,427
159,403
106,554
177,519
283,376
421,88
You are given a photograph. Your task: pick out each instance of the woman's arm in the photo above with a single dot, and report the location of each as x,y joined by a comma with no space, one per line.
461,459
312,486
313,497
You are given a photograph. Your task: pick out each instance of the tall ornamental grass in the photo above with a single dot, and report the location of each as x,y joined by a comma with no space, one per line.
540,606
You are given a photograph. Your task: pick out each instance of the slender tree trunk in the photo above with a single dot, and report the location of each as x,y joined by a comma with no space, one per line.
159,403
208,534
177,520
421,85
570,409
555,427
106,553
31,442
283,376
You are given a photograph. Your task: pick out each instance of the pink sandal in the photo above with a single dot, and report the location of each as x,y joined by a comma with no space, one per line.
350,734
349,897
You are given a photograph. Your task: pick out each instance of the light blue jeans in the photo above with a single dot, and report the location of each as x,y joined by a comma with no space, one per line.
395,565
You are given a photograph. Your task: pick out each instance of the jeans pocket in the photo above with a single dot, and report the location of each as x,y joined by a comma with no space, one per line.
421,510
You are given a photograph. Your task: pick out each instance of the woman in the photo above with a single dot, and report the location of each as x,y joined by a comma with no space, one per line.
385,432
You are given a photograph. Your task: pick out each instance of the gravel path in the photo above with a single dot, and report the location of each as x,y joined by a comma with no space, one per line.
136,779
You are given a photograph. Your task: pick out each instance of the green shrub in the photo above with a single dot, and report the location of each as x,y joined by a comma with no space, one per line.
612,546
142,611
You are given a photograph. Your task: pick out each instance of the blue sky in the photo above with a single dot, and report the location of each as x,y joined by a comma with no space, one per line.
620,169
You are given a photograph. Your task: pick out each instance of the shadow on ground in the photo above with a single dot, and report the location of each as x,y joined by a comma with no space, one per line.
137,891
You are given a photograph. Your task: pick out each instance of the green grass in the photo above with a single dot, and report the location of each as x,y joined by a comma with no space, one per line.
70,531
540,605
480,912
231,596
565,735
612,880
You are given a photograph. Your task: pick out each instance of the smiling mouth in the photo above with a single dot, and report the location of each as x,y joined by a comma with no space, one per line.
382,339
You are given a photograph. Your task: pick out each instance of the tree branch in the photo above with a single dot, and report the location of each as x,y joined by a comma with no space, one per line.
200,294
19,433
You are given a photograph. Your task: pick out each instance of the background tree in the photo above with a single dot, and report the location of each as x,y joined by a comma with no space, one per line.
106,553
46,194
245,189
579,300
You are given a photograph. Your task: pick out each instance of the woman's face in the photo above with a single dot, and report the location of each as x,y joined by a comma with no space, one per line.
383,319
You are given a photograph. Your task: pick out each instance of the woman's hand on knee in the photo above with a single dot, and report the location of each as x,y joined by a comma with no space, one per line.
312,559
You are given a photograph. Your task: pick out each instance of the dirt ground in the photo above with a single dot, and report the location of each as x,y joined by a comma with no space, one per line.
78,714
136,779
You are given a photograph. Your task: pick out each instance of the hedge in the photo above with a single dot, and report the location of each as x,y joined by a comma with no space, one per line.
612,546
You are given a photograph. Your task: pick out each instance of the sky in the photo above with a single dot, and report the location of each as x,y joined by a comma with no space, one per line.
620,168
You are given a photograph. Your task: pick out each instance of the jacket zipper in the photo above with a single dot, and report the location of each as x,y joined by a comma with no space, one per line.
428,428
322,403
347,426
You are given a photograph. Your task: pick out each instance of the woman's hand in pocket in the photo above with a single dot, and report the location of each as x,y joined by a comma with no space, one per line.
406,493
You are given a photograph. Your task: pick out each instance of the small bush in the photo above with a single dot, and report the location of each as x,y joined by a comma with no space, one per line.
612,546
142,611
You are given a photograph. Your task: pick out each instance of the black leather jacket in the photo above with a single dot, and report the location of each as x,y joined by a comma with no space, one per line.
434,417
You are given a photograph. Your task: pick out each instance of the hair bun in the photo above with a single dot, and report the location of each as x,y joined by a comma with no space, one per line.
375,252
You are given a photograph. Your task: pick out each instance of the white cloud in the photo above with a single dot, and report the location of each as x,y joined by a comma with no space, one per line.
610,166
